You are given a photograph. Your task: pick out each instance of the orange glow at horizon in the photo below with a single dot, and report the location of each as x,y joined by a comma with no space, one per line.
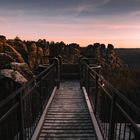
120,35
83,42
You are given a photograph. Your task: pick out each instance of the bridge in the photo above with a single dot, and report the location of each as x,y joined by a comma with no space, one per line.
68,102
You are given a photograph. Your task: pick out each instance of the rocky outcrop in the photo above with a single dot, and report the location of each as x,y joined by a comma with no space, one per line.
23,69
105,56
112,59
5,60
14,75
14,71
11,51
35,56
71,53
20,58
21,47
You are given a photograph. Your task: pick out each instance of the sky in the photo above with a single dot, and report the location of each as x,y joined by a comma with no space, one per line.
80,21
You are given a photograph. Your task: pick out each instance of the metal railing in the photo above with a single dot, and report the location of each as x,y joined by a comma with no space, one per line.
20,111
117,117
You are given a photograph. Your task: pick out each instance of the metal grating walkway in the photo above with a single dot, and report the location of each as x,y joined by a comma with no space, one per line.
67,117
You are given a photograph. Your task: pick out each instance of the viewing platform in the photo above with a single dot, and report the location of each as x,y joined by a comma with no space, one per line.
68,102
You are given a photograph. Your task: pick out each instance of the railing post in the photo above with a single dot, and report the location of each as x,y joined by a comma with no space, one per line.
87,79
83,63
97,69
112,118
80,69
59,67
57,64
41,96
60,60
21,117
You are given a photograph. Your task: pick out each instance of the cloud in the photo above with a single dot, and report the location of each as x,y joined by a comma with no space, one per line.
75,8
122,6
71,20
135,13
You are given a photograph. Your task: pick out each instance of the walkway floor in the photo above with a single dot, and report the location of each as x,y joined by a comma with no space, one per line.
68,117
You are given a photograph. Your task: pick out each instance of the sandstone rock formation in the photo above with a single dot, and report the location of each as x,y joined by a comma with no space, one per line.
35,56
14,75
5,60
20,58
10,50
105,56
23,69
21,47
13,66
71,53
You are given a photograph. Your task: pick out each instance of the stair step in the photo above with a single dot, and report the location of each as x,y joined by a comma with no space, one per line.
68,117
68,127
66,135
68,124
68,113
76,120
74,138
65,131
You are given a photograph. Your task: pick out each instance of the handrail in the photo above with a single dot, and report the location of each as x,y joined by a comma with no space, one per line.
12,95
116,115
118,93
22,109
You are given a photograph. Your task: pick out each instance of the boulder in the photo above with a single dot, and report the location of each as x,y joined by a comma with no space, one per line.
5,60
14,75
23,69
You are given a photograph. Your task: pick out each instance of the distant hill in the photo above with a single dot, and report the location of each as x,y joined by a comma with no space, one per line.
131,57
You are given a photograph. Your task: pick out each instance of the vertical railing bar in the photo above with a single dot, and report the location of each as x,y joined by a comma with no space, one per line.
25,105
96,92
115,131
32,113
120,131
124,132
22,134
130,129
112,118
106,120
17,125
87,79
41,97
